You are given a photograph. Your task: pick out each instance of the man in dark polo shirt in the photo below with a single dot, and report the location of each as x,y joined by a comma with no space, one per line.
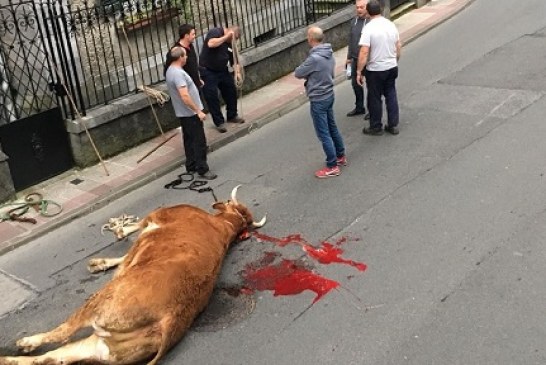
186,33
213,67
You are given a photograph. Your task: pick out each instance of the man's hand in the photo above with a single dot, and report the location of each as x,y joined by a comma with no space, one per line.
238,77
202,116
359,78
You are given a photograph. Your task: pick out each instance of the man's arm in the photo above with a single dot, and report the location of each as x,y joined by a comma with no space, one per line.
186,98
398,50
218,41
362,60
348,60
305,69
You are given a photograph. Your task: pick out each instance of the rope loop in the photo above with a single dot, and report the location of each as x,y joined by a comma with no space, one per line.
32,200
194,185
239,69
159,96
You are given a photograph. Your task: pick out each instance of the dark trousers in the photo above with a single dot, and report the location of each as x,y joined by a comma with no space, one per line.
195,144
223,81
358,90
382,83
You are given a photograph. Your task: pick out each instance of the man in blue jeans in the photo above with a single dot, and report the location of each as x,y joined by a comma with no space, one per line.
318,72
379,54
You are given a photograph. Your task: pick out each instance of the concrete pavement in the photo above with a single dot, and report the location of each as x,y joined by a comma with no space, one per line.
82,191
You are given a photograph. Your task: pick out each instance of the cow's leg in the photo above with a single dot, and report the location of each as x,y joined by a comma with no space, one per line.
103,264
123,232
91,348
59,334
79,319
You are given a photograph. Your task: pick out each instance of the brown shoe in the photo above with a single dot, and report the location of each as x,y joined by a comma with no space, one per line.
236,120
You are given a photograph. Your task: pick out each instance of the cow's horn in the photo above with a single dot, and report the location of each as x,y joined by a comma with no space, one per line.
260,223
234,194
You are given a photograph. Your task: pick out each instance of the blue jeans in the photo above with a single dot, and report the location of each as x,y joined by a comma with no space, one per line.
322,113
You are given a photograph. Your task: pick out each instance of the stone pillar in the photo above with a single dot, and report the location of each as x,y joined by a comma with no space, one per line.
421,3
7,191
386,8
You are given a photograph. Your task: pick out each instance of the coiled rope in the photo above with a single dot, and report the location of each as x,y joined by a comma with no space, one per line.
159,96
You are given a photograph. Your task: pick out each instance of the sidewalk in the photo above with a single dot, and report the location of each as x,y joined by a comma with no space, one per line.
81,191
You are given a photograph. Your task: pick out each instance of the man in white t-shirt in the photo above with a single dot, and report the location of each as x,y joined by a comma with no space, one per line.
379,54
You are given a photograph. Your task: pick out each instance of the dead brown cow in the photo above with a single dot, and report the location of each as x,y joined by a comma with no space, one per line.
161,285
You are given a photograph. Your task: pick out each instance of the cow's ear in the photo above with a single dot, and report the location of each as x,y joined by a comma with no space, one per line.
219,206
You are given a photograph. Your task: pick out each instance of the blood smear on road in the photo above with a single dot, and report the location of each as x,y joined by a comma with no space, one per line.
291,277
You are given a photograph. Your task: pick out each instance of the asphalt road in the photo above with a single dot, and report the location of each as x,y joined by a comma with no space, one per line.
449,216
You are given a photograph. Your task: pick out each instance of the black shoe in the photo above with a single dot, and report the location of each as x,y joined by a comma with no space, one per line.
354,112
221,128
236,120
392,130
373,131
367,116
208,176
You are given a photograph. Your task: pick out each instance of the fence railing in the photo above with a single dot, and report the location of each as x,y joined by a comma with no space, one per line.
111,48
98,52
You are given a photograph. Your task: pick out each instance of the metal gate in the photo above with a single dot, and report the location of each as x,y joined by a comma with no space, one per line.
32,132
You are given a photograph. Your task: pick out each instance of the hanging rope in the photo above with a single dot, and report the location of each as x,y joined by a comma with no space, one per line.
159,96
80,118
239,81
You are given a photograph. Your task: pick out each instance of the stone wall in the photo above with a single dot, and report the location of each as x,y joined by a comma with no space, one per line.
6,184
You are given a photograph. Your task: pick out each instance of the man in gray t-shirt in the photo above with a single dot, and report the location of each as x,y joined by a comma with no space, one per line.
189,109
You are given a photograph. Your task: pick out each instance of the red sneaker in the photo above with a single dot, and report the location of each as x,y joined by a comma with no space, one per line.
342,161
328,172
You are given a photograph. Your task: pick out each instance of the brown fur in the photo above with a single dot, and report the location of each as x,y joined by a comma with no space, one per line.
163,283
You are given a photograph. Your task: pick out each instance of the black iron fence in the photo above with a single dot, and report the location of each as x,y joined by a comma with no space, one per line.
102,51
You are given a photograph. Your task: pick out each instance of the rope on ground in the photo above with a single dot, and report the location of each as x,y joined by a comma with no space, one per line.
15,211
114,224
193,185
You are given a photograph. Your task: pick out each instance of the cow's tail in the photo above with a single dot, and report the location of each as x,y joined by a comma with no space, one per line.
169,335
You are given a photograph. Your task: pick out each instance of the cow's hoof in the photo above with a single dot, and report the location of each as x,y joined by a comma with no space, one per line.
29,344
97,265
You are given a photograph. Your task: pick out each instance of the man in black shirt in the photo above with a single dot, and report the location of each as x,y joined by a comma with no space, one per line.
186,33
215,55
353,49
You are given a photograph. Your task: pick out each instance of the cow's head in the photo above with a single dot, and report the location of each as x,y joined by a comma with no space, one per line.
238,214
